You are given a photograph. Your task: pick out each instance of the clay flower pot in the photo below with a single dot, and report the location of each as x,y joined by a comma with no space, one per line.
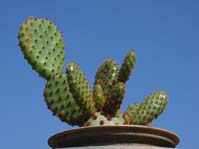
127,136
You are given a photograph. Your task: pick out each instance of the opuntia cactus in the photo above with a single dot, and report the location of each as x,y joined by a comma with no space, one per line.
68,95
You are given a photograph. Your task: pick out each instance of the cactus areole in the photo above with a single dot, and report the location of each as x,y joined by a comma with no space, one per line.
68,94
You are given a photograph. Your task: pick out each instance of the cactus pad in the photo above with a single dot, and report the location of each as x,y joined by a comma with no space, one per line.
130,112
42,45
149,109
80,89
115,98
98,97
107,75
61,102
127,67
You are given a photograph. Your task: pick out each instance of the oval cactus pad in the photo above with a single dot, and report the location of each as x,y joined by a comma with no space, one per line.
60,101
42,45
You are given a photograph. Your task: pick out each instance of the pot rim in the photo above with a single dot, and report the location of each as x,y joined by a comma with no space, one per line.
114,135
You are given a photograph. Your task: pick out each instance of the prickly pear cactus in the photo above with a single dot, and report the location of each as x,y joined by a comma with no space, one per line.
68,95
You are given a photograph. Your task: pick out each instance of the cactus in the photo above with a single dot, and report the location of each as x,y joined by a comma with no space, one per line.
68,95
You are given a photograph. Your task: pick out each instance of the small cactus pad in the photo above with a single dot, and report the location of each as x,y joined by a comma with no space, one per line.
115,98
130,112
127,67
107,75
98,97
80,89
42,45
61,102
100,120
150,108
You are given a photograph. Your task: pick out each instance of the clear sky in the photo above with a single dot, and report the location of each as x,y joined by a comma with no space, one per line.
165,35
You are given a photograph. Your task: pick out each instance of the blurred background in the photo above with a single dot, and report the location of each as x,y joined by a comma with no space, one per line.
164,34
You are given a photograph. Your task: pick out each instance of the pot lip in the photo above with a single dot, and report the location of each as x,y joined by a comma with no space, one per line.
148,129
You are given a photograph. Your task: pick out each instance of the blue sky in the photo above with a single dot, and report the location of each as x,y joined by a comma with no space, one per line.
165,35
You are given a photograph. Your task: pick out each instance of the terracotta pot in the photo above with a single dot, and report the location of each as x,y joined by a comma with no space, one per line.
115,136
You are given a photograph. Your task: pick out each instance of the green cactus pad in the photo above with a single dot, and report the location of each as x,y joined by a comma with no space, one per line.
130,113
150,108
98,97
107,75
42,45
80,89
61,102
115,98
127,67
100,120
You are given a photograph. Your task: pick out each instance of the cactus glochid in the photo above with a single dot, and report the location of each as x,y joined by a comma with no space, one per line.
69,96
